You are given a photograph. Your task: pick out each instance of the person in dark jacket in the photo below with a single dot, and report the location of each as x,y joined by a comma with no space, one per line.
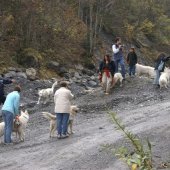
2,82
107,70
132,61
161,59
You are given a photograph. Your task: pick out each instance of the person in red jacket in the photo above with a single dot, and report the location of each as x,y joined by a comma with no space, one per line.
107,70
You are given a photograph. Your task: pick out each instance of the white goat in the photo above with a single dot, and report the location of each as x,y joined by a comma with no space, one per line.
145,70
46,94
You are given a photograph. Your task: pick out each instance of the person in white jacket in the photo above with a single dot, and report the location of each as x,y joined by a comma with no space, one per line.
62,101
118,58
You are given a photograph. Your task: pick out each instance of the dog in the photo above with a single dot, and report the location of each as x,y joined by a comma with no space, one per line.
117,78
164,78
53,123
46,94
145,70
18,126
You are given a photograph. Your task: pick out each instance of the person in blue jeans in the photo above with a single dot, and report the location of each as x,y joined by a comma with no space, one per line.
161,58
117,49
62,101
10,110
132,61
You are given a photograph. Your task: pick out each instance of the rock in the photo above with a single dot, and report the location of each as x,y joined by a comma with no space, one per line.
66,75
53,65
20,70
92,77
90,66
10,74
21,74
84,80
12,69
88,72
62,70
92,83
79,67
31,74
77,75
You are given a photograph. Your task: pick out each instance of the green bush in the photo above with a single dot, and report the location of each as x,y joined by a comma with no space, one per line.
29,57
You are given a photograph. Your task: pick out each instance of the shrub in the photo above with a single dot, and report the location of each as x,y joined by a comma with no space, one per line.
141,158
29,57
147,27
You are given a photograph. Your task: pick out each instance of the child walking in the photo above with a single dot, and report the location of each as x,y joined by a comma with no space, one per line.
132,61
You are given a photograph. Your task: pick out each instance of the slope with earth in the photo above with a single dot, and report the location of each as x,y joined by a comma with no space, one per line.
142,108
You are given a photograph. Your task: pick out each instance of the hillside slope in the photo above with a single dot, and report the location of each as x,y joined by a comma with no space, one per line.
34,33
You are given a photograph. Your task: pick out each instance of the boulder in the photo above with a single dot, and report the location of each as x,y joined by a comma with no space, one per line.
12,69
53,65
10,74
92,83
21,74
88,72
59,69
31,74
77,75
79,67
62,70
92,77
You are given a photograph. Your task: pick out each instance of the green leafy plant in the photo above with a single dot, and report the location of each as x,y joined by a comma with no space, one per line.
142,156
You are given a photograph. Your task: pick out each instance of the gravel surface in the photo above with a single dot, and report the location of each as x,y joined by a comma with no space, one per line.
144,110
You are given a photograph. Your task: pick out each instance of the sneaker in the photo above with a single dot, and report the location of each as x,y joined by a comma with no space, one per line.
59,136
8,144
64,136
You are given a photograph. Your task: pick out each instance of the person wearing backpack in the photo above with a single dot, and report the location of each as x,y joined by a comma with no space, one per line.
159,67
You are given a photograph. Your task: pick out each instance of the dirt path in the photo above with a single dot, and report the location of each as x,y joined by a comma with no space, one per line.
143,109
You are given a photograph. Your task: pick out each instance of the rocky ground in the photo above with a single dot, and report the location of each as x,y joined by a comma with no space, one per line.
144,110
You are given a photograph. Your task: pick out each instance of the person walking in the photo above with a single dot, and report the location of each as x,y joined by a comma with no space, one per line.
62,101
10,110
132,61
117,49
107,70
159,67
2,82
